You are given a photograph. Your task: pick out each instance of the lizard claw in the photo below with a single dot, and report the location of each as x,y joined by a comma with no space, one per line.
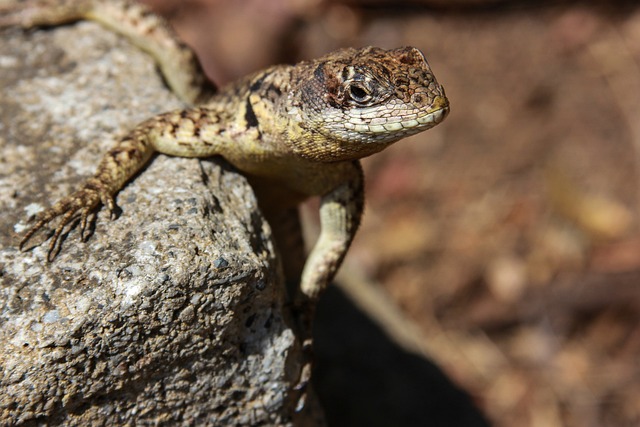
84,221
110,204
83,201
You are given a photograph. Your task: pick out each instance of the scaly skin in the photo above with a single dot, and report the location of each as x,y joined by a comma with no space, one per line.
295,130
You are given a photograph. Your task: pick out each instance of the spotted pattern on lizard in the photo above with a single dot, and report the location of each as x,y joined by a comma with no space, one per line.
296,130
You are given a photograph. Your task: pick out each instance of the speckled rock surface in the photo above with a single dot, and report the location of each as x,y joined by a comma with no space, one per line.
171,314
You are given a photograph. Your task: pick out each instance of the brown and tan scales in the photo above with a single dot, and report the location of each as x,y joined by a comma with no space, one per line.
296,131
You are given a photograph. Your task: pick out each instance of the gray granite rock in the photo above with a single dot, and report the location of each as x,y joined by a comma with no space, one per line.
173,313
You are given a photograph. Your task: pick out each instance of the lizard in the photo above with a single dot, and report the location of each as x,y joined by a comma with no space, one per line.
296,131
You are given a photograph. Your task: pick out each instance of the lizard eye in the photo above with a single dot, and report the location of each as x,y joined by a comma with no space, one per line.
359,93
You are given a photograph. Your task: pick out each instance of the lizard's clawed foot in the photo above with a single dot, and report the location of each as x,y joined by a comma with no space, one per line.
83,202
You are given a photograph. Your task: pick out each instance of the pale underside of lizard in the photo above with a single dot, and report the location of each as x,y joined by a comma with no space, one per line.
296,131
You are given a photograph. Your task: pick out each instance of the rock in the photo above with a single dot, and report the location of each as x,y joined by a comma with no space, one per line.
171,314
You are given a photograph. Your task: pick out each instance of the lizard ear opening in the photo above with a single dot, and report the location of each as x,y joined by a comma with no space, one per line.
323,89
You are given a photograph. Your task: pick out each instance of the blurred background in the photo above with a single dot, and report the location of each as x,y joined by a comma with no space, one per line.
496,276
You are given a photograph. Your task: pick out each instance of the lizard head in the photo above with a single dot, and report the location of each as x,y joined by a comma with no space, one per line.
356,102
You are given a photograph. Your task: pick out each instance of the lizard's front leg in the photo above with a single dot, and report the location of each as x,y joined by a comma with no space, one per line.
340,213
187,133
116,167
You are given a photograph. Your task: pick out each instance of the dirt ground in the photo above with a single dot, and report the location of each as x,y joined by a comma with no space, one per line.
508,236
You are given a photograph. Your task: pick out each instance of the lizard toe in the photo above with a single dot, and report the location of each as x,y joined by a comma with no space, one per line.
84,201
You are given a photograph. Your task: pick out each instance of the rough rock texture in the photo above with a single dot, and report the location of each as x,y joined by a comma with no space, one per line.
172,314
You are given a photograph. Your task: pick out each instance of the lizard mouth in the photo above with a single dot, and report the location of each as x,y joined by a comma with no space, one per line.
405,124
418,123
429,119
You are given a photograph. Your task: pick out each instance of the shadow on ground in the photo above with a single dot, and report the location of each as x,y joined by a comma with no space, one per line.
364,379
